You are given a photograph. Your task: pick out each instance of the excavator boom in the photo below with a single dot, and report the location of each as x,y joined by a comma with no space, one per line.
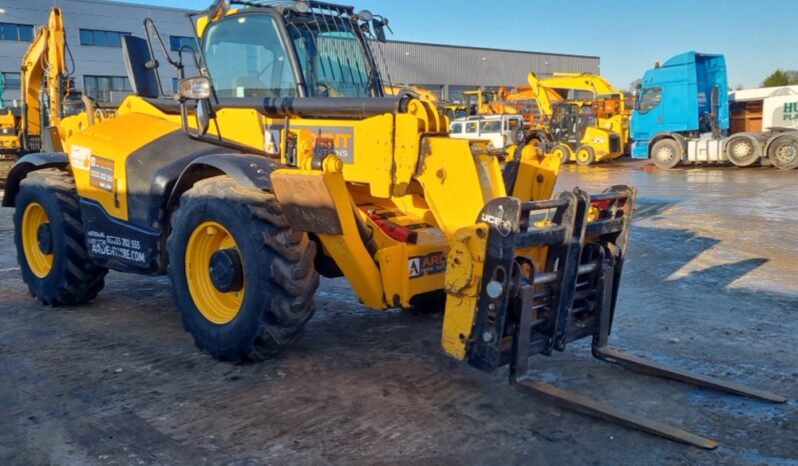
43,73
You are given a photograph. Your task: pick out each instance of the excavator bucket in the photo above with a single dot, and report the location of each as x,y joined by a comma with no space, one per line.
531,306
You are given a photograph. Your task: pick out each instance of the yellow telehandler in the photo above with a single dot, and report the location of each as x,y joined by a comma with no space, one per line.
607,103
571,130
284,160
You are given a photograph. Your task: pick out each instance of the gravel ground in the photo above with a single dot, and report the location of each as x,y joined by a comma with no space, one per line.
709,286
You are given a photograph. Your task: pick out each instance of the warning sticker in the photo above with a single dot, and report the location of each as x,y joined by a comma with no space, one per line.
79,157
102,173
427,265
101,244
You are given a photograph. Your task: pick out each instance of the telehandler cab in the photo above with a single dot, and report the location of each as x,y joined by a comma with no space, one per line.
285,160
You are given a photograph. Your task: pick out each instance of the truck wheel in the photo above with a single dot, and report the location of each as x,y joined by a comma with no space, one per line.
666,153
585,155
742,151
783,152
562,152
51,246
242,278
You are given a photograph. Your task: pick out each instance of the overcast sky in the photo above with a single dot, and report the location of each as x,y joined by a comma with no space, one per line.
757,36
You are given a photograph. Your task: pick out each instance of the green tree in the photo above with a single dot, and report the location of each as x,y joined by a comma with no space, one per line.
777,78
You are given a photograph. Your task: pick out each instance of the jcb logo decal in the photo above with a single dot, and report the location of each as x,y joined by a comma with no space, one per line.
504,226
427,265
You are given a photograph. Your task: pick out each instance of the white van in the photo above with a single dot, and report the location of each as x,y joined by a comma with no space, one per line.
499,130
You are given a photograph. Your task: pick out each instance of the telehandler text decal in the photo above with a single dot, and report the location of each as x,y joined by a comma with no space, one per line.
102,173
115,246
427,265
343,138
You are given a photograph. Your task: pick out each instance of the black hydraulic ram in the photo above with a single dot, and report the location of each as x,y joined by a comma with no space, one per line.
528,308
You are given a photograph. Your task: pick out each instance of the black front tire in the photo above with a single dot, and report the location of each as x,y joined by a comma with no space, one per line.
279,276
666,154
73,278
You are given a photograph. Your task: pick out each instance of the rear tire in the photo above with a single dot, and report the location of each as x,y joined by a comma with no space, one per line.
743,151
783,152
585,155
666,154
276,276
51,246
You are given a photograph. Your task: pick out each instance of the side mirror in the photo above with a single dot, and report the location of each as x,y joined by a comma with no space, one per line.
198,89
379,26
203,116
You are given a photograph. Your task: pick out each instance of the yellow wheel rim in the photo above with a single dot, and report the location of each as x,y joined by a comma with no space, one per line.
582,155
217,306
33,219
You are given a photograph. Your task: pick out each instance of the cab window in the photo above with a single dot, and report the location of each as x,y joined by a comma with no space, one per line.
457,127
246,57
471,127
649,99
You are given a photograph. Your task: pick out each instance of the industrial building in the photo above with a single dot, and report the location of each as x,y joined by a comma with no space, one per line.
94,27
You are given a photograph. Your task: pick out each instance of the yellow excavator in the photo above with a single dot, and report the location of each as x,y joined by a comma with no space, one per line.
285,160
51,109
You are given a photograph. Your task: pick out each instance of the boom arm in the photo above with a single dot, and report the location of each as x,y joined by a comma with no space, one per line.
582,82
44,72
544,100
594,83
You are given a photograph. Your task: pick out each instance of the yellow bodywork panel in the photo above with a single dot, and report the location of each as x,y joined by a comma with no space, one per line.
537,175
457,183
98,154
365,146
599,139
463,286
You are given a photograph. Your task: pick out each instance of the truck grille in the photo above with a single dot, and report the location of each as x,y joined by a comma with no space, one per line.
615,143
